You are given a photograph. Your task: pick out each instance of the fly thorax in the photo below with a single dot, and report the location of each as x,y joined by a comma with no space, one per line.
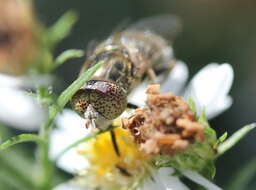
118,66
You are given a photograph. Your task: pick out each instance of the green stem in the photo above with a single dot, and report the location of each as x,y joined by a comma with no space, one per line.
45,163
20,139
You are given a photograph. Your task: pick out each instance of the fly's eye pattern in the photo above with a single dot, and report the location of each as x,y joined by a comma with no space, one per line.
80,102
107,98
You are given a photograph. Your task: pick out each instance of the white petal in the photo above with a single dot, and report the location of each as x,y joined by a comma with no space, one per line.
70,128
210,87
163,180
10,81
152,184
70,186
138,96
25,81
34,81
170,182
20,110
222,105
197,178
174,83
176,80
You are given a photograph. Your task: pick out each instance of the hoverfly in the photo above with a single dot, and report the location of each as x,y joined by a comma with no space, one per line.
130,56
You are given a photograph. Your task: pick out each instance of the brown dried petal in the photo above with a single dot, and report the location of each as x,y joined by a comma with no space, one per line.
165,126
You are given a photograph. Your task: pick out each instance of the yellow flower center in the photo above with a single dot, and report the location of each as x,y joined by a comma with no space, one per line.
107,168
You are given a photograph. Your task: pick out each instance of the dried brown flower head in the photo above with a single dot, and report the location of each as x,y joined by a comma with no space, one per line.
166,125
17,37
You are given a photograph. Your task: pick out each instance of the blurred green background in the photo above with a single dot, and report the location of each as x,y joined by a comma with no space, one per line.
213,31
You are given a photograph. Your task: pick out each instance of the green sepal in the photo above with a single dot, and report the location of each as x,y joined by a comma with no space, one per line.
234,139
221,139
198,157
61,29
192,105
67,55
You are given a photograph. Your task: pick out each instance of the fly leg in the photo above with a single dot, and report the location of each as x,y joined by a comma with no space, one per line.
114,142
152,75
158,70
164,69
131,106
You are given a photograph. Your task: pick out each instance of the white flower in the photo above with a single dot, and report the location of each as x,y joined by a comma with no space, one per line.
18,109
209,88
70,128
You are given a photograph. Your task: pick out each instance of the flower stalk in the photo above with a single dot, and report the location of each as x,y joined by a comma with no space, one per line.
46,165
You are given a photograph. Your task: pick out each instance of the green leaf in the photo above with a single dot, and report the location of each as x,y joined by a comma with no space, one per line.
20,139
243,176
82,140
61,28
68,54
235,138
43,63
221,139
67,94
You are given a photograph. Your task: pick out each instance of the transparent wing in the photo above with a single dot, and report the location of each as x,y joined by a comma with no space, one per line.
121,26
91,47
168,26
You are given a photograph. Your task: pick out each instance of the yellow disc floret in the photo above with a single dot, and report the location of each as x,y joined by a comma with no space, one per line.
109,170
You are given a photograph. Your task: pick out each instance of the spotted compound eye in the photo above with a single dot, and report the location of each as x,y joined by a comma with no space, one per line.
80,102
107,98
